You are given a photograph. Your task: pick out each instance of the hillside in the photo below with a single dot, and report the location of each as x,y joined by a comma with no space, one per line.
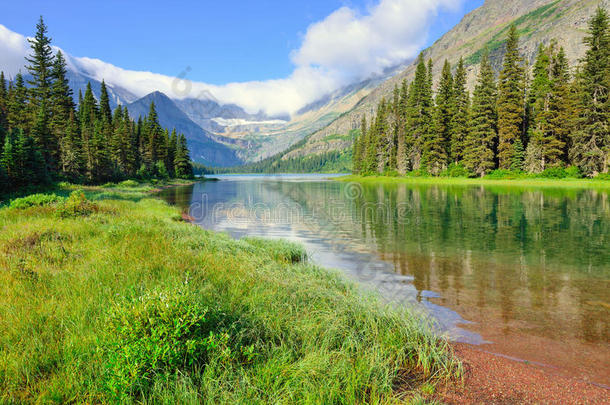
538,21
203,148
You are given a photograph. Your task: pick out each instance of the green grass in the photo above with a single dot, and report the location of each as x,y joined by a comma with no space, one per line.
108,296
517,182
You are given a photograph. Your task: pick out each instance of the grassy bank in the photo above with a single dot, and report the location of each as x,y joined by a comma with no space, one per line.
108,296
526,182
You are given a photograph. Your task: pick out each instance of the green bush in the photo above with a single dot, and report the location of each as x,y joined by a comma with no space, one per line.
159,334
76,205
456,170
603,176
573,172
553,173
35,200
503,174
129,184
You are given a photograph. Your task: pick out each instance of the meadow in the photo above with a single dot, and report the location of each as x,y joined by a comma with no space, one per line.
110,296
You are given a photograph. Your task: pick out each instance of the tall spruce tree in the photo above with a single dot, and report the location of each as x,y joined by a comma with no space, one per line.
510,101
402,153
461,114
17,116
438,143
481,141
182,161
419,114
40,64
591,142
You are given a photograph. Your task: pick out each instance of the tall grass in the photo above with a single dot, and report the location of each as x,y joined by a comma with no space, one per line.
123,302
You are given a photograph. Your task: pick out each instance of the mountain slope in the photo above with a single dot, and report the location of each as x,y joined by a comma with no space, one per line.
537,21
203,148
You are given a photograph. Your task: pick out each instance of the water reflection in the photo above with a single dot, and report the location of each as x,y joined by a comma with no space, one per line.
513,261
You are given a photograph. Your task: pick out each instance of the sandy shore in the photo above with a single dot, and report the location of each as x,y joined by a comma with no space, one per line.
494,379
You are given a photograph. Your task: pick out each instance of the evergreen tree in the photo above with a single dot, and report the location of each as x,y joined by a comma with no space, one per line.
3,107
460,119
17,116
419,114
434,155
40,64
438,140
105,112
182,161
591,142
402,153
359,146
481,141
510,101
562,104
72,165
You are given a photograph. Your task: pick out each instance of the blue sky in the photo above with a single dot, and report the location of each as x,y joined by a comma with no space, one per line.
222,41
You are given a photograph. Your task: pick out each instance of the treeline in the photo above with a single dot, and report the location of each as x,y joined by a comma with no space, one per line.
44,136
329,162
552,120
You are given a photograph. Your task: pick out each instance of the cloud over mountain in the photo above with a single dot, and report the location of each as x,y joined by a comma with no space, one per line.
344,47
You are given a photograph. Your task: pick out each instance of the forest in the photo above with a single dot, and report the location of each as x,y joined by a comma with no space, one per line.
552,120
46,137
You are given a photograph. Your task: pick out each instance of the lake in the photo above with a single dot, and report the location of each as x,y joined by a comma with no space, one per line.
521,272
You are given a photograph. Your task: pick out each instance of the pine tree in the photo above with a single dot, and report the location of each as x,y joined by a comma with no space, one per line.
438,139
481,141
105,112
358,147
40,64
182,161
591,142
510,101
402,153
434,155
460,119
17,116
3,107
72,165
172,147
88,116
562,105
62,105
419,114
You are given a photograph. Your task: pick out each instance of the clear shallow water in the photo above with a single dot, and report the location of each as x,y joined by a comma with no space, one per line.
523,272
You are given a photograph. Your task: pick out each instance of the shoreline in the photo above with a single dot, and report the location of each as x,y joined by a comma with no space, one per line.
496,378
462,181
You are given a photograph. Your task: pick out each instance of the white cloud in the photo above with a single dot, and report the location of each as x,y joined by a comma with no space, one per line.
344,47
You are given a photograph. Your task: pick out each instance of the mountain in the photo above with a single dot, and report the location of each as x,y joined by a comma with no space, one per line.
78,82
538,21
204,149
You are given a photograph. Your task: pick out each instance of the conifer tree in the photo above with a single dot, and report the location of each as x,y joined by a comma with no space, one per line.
71,150
419,114
182,161
481,141
461,114
438,139
359,146
105,112
402,153
510,101
40,64
3,107
562,103
591,142
434,155
17,116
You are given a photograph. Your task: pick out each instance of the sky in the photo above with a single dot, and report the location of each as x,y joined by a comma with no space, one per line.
241,51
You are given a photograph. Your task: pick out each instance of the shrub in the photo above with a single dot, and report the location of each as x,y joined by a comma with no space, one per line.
129,184
160,333
35,200
456,170
573,172
161,170
503,174
603,176
76,205
553,173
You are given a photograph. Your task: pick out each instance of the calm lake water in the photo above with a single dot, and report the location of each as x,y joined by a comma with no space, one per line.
520,272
